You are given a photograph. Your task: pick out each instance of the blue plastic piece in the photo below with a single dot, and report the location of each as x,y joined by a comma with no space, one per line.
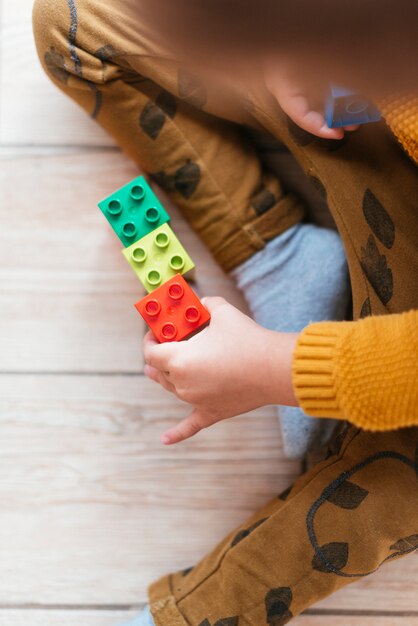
347,108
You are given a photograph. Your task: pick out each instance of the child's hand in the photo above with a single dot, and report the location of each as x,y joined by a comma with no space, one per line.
303,103
230,367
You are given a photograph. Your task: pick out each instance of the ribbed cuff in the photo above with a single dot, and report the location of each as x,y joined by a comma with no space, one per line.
314,369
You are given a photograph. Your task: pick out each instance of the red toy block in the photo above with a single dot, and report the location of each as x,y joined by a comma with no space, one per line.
173,311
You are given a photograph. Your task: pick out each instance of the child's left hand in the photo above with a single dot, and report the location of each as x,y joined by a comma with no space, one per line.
231,367
301,100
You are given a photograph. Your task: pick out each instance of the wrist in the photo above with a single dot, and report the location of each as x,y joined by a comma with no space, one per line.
278,353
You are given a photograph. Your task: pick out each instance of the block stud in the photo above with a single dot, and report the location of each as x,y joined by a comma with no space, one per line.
152,308
176,291
139,255
169,331
162,240
137,192
192,314
114,207
357,105
152,215
154,277
177,262
129,229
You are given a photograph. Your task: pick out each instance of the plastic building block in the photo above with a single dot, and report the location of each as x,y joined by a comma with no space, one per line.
134,211
346,108
173,312
157,257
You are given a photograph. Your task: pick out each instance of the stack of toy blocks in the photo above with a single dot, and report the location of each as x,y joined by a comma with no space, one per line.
347,108
171,309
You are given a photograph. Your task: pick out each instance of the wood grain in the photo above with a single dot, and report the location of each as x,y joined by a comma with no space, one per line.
66,293
33,110
33,617
94,507
44,617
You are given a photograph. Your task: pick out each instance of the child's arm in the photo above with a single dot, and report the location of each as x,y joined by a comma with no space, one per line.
231,367
364,371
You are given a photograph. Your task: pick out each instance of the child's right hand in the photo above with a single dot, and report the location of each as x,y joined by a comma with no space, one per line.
298,101
231,367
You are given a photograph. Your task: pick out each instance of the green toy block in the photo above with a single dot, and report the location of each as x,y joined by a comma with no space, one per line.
134,211
157,257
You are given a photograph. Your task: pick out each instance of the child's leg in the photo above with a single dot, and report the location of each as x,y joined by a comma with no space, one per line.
299,277
209,166
333,528
358,509
100,56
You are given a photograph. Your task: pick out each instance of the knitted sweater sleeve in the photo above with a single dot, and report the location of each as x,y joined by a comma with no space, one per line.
401,114
365,372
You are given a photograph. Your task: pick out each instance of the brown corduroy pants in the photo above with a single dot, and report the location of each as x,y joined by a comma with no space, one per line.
333,526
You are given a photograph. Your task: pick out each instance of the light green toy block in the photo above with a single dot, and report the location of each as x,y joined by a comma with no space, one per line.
157,257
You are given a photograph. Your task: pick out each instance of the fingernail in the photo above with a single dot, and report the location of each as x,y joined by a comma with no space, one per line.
165,439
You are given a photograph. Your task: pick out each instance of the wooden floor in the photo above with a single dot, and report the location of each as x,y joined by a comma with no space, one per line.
92,508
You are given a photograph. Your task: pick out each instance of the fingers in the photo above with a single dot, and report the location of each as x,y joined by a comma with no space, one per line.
213,304
157,355
184,430
314,123
217,307
159,377
149,342
297,107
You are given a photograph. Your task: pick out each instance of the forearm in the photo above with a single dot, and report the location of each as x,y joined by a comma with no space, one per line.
365,371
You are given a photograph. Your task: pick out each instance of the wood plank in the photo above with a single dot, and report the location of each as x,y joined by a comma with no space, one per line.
36,151
43,617
94,507
66,292
33,110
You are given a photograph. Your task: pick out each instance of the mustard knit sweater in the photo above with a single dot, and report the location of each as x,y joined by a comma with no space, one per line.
365,372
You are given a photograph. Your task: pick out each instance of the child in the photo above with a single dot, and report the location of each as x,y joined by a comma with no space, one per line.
291,272
293,552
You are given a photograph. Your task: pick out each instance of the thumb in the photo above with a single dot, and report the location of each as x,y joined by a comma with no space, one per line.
213,304
185,429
